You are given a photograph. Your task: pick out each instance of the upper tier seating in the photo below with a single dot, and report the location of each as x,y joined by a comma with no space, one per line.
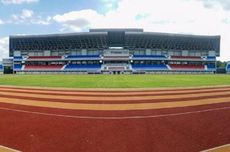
82,56
211,58
149,56
186,67
185,57
43,67
149,67
17,57
83,67
44,57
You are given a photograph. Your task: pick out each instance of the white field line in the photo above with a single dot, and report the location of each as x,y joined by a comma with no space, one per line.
114,117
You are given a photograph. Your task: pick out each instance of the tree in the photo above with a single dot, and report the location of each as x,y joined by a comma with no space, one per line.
220,64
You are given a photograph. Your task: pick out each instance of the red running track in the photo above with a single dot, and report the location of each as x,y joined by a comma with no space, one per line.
187,129
182,133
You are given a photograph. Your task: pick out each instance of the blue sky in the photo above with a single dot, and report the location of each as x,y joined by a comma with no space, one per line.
41,10
207,17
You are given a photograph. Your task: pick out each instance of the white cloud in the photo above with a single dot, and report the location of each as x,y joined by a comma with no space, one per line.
78,20
29,17
225,4
4,47
178,16
1,22
7,2
110,4
41,21
26,14
22,17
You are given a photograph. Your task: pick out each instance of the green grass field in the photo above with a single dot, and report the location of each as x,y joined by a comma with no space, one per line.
115,81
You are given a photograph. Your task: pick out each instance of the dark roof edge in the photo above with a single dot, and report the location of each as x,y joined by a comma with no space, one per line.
117,29
57,35
105,31
174,34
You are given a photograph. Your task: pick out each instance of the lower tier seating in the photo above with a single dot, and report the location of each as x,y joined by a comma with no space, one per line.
211,66
17,67
149,67
83,67
1,67
228,67
43,67
186,67
135,67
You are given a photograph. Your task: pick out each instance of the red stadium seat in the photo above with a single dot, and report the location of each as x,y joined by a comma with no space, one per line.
43,67
45,57
185,66
185,57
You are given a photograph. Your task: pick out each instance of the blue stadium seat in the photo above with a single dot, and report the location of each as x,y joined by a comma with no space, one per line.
211,66
1,67
17,57
228,67
211,58
83,67
149,67
17,67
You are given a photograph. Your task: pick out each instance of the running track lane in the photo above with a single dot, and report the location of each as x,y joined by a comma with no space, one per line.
191,131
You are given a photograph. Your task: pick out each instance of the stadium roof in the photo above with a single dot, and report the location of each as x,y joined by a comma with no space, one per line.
105,38
106,30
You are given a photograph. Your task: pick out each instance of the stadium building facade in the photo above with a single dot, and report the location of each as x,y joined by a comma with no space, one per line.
114,51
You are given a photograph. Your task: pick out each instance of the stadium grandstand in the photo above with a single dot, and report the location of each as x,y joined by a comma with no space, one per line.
228,68
1,68
114,51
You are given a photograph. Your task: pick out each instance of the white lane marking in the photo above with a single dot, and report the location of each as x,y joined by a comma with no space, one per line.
8,149
114,117
216,148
